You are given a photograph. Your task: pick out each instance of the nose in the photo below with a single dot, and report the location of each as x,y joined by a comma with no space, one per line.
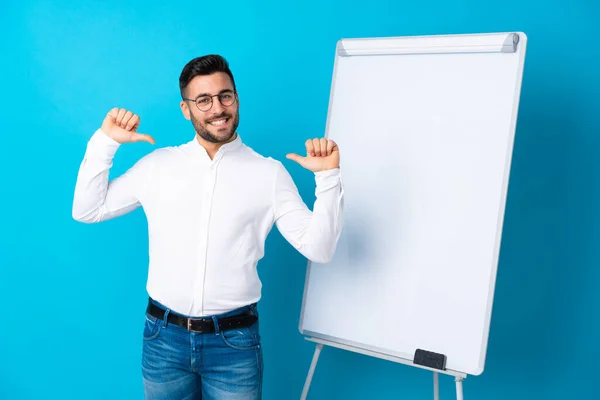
217,107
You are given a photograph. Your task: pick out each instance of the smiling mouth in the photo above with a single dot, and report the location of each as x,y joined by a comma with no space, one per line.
219,122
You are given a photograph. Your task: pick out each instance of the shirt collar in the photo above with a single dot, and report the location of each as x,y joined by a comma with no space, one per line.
197,151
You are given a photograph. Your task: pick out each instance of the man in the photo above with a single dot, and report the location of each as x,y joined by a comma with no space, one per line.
210,204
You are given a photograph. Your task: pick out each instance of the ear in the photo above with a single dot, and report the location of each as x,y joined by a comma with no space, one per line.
185,110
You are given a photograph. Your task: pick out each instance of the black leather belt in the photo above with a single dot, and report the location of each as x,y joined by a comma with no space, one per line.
206,324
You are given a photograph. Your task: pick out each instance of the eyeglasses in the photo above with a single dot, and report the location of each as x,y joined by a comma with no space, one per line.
204,103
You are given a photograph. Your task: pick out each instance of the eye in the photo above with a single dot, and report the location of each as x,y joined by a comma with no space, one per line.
203,100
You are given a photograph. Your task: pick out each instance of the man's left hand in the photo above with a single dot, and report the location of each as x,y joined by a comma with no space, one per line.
321,155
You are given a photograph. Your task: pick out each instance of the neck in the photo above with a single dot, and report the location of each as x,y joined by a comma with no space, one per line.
212,148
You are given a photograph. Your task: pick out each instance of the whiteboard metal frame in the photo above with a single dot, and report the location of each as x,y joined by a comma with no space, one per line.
505,42
458,376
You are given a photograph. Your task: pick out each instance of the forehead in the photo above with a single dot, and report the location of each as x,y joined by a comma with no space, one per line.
211,84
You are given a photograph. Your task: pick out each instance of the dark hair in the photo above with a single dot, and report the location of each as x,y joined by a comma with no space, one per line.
204,65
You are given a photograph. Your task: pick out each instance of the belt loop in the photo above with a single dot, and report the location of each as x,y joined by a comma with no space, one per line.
216,322
165,317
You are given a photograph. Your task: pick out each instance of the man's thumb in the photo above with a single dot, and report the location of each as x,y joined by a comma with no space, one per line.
141,137
295,157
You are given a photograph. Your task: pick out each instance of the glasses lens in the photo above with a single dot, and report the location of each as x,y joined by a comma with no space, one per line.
204,103
227,98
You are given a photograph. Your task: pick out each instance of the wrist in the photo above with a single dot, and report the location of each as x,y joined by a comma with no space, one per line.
107,138
328,172
102,146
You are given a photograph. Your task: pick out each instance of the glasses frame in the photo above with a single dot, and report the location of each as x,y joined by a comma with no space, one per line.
226,91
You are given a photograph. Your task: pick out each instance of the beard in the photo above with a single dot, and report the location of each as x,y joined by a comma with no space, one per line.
223,135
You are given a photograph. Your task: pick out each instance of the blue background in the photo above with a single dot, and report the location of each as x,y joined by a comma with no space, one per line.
73,295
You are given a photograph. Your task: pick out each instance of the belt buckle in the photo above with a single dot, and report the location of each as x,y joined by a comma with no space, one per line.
189,325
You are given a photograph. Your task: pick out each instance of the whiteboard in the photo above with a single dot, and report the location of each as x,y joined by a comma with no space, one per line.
425,127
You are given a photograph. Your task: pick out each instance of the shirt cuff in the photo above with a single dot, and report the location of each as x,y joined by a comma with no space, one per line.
327,173
103,146
327,180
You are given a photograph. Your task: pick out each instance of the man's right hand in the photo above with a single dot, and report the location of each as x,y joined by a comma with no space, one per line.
121,125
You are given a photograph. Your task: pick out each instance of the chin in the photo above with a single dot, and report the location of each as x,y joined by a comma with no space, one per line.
220,136
223,135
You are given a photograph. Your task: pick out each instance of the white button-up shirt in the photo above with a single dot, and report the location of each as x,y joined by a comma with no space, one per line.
208,219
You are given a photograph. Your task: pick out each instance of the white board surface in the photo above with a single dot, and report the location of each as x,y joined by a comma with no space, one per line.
425,127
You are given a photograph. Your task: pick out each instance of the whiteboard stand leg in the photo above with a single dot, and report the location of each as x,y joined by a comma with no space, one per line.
459,388
311,371
436,386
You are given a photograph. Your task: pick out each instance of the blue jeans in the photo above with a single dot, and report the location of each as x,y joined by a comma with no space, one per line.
181,365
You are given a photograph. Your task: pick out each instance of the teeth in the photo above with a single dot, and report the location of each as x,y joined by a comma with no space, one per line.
219,122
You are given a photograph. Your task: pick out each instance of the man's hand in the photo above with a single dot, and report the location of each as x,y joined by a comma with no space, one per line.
121,125
321,155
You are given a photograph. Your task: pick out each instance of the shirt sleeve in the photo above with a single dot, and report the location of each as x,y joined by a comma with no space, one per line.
313,233
96,198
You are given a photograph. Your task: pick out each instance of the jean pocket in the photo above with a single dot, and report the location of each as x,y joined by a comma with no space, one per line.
152,327
242,338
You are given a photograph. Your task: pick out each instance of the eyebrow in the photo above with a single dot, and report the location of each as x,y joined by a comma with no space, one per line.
208,94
